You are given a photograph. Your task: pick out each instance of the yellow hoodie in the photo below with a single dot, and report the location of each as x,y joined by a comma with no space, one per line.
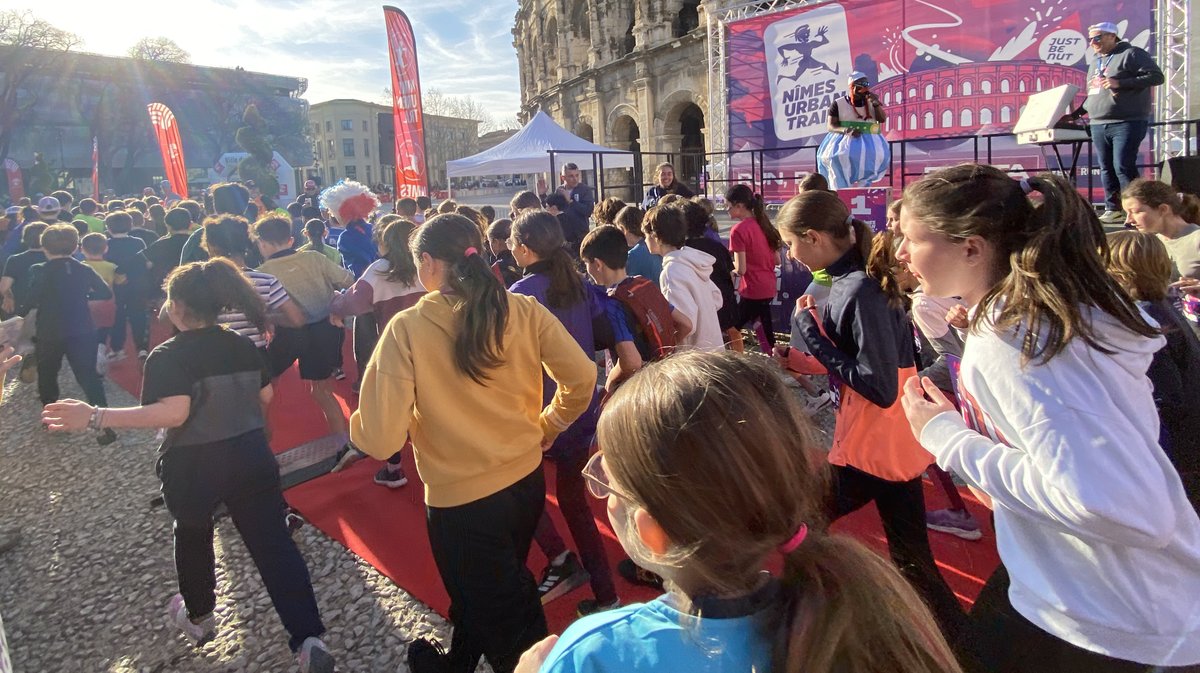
470,440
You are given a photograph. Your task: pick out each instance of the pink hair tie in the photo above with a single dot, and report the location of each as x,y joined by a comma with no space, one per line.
790,546
470,251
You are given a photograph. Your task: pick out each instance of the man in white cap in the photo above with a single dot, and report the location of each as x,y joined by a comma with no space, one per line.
1118,105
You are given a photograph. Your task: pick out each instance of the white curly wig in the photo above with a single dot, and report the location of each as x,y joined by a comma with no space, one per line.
348,201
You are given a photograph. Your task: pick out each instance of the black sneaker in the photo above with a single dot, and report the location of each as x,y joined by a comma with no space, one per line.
635,574
293,521
560,580
106,437
346,456
591,606
427,656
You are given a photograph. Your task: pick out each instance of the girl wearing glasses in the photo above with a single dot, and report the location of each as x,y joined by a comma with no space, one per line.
835,607
461,374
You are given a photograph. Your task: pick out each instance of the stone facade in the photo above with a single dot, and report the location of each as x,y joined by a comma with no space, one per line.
626,74
345,137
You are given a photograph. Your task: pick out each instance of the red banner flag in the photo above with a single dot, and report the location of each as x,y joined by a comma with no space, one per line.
95,169
16,185
169,143
411,176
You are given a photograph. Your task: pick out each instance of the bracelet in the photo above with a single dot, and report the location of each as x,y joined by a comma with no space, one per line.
96,422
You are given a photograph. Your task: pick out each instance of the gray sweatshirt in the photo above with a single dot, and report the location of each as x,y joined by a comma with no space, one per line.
1136,72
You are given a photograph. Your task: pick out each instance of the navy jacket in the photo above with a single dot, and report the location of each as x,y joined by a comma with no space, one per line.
357,247
60,290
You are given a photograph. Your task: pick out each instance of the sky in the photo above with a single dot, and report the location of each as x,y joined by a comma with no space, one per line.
464,47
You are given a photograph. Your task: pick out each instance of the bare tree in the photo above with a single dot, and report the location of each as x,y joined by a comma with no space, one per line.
29,48
159,49
434,102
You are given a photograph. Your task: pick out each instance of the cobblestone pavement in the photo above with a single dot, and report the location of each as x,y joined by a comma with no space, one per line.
87,587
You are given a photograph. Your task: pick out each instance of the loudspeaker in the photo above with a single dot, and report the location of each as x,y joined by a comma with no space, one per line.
1182,173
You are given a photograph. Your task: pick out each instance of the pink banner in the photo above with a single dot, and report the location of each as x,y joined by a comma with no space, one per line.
169,143
411,175
16,184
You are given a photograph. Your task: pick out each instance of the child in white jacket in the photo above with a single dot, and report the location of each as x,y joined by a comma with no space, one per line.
1099,544
686,278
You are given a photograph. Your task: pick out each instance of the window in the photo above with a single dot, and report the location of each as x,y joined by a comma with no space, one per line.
366,126
949,90
966,118
912,121
328,126
1005,85
1005,114
1021,85
986,86
366,148
887,97
316,129
928,91
368,175
332,175
347,124
351,172
947,119
912,92
928,120
320,153
985,116
347,147
966,88
330,143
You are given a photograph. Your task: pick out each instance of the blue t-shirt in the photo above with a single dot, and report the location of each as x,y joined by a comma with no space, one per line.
641,262
656,636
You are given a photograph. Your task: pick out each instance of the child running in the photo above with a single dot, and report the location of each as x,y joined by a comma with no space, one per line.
835,607
755,244
550,277
103,311
686,278
461,372
1058,427
865,342
205,386
388,286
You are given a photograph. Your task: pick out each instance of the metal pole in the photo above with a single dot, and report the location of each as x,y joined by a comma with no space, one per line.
600,174
552,170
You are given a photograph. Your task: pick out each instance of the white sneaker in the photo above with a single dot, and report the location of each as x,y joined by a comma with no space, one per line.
813,405
198,634
142,355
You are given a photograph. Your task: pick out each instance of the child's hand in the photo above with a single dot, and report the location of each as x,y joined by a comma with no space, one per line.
1188,285
957,317
8,359
67,415
922,400
535,656
806,303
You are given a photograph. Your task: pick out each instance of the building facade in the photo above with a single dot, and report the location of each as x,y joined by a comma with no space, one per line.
89,96
345,135
625,74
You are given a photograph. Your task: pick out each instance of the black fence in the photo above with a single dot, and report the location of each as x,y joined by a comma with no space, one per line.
694,168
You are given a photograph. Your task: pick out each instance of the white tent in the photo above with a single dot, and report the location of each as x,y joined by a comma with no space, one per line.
528,151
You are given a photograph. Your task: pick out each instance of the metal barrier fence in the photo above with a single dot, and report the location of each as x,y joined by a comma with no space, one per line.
900,171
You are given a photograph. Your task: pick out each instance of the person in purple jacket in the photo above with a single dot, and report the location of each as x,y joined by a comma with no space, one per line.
550,277
350,204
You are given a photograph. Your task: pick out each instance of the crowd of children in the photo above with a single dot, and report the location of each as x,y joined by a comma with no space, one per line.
992,334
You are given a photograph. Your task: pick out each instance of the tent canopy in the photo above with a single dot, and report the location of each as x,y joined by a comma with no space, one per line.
528,151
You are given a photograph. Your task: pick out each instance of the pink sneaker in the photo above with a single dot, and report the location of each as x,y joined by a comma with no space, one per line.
959,523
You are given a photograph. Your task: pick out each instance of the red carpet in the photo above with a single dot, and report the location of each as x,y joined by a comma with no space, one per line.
387,527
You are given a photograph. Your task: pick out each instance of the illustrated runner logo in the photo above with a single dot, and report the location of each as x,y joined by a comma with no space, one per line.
798,55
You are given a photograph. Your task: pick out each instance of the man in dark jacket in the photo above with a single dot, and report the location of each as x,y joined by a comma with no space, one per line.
1118,105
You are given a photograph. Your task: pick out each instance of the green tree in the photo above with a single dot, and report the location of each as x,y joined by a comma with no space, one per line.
252,138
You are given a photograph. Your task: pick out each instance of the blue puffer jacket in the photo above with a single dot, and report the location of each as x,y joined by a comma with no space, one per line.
357,247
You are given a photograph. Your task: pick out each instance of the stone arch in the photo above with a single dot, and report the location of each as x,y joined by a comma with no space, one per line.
584,129
578,17
616,123
683,132
550,40
687,19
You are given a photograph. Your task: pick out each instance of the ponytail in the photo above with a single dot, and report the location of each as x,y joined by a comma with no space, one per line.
207,289
541,232
864,236
881,265
846,609
455,239
823,211
743,195
1051,259
315,230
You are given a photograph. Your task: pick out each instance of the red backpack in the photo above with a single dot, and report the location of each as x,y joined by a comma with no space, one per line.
651,311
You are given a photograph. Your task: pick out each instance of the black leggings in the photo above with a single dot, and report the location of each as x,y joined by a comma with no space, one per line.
749,309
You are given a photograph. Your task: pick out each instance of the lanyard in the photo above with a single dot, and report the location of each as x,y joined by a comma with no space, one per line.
1102,65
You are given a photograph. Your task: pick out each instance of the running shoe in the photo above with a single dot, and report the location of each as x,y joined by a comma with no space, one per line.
635,574
314,657
1113,217
958,523
561,579
106,437
346,456
427,656
386,476
293,521
591,606
814,405
199,633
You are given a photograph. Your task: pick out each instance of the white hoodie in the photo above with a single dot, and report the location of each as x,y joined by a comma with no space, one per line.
686,282
1091,518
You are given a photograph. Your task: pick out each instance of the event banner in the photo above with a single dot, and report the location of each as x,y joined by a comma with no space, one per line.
166,130
16,184
411,177
945,70
95,169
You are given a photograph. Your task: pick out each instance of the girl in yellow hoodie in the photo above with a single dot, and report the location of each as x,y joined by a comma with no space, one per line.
461,373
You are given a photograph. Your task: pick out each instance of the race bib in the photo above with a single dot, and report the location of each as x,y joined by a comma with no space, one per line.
1095,85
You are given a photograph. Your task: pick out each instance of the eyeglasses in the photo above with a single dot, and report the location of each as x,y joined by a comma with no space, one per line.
1096,39
597,479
